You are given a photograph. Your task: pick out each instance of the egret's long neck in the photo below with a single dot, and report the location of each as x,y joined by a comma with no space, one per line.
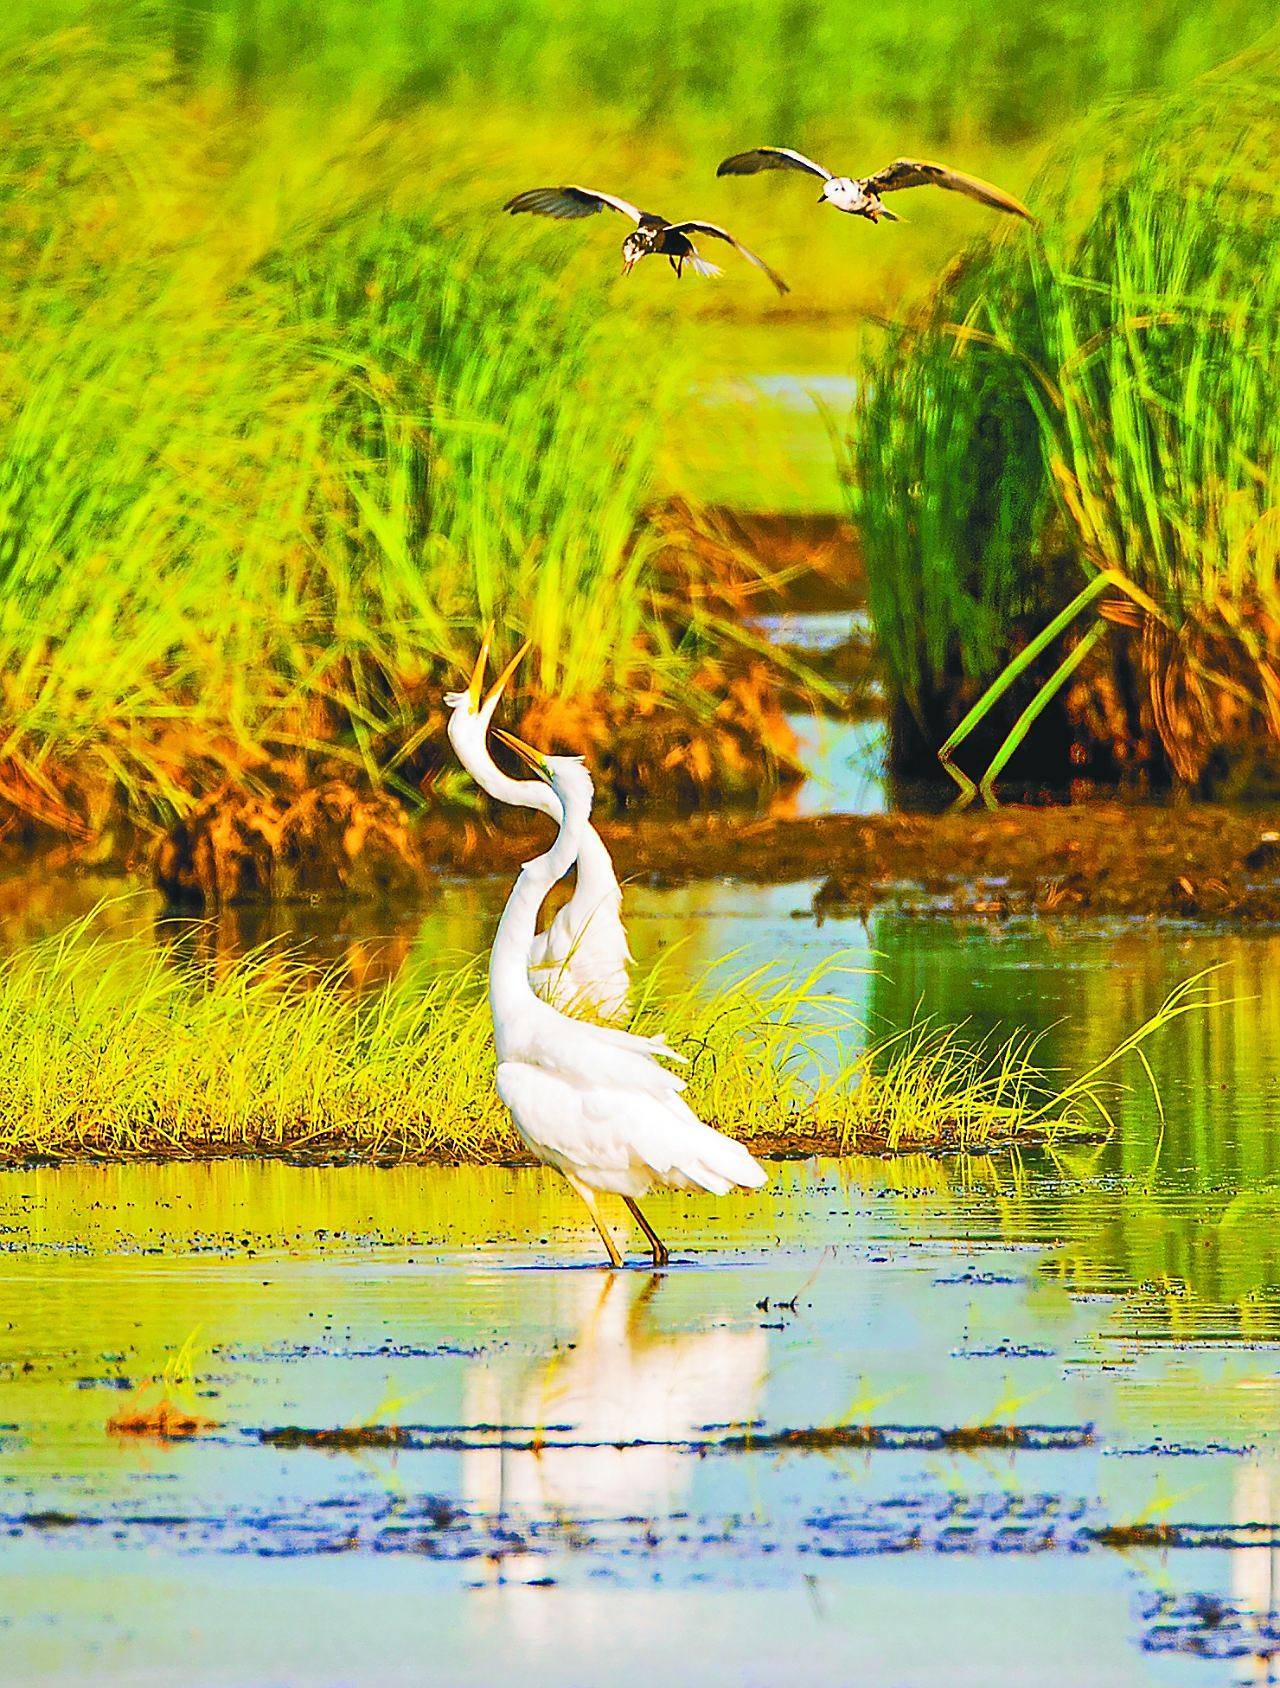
469,737
597,881
509,987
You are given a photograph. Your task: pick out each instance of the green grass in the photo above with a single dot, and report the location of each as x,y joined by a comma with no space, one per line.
778,68
288,411
112,1053
286,415
1097,399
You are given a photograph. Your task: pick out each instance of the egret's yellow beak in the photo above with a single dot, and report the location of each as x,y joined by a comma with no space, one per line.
476,682
499,685
527,754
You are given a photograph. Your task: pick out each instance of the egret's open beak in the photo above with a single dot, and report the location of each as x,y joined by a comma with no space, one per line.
527,754
822,199
476,682
628,264
499,685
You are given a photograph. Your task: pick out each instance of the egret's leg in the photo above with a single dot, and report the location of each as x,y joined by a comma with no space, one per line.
660,1255
593,1208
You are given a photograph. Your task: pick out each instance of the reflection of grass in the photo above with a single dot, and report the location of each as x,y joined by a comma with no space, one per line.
111,1053
164,1407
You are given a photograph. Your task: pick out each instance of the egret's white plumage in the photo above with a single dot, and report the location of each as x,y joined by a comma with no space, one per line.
581,959
593,1101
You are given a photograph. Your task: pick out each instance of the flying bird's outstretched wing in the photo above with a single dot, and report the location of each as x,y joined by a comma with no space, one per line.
570,202
717,233
770,158
919,173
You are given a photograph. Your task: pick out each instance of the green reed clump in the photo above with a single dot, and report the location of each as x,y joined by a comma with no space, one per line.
285,417
1096,400
111,1052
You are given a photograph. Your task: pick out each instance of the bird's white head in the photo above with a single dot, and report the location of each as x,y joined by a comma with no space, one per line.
840,191
470,712
571,782
636,246
847,193
566,775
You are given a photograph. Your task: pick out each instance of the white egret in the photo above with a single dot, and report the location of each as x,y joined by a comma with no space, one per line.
581,960
592,1101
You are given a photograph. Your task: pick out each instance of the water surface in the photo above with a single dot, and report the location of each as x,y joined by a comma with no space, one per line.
1129,1286
463,1299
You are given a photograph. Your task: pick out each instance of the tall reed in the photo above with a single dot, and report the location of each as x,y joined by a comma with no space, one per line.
113,1053
283,422
1096,400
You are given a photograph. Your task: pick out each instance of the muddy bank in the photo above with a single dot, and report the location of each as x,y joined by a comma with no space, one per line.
1192,863
1208,862
788,560
335,1149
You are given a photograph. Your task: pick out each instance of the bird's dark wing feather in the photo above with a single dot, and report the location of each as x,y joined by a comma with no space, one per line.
919,173
569,202
717,233
770,158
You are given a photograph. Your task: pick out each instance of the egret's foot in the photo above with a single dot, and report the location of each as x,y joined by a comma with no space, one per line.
656,1244
615,1259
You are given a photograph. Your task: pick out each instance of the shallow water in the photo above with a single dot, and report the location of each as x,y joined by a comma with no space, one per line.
453,1301
1130,1286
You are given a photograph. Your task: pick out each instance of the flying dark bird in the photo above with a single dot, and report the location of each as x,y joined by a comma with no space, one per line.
860,195
652,233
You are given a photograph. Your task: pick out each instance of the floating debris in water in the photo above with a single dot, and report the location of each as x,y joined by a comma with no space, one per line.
1228,1537
347,1439
1207,1626
822,1438
637,1548
914,1437
1004,1351
166,1421
1182,1450
980,1279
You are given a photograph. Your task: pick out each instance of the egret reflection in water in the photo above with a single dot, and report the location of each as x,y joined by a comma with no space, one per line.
619,1381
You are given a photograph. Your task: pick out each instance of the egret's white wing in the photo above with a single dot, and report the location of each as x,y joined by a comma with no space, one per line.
618,1139
569,202
581,961
667,1139
769,158
584,1054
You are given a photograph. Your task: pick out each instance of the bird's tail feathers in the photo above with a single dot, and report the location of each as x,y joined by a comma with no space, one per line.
701,267
715,1162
